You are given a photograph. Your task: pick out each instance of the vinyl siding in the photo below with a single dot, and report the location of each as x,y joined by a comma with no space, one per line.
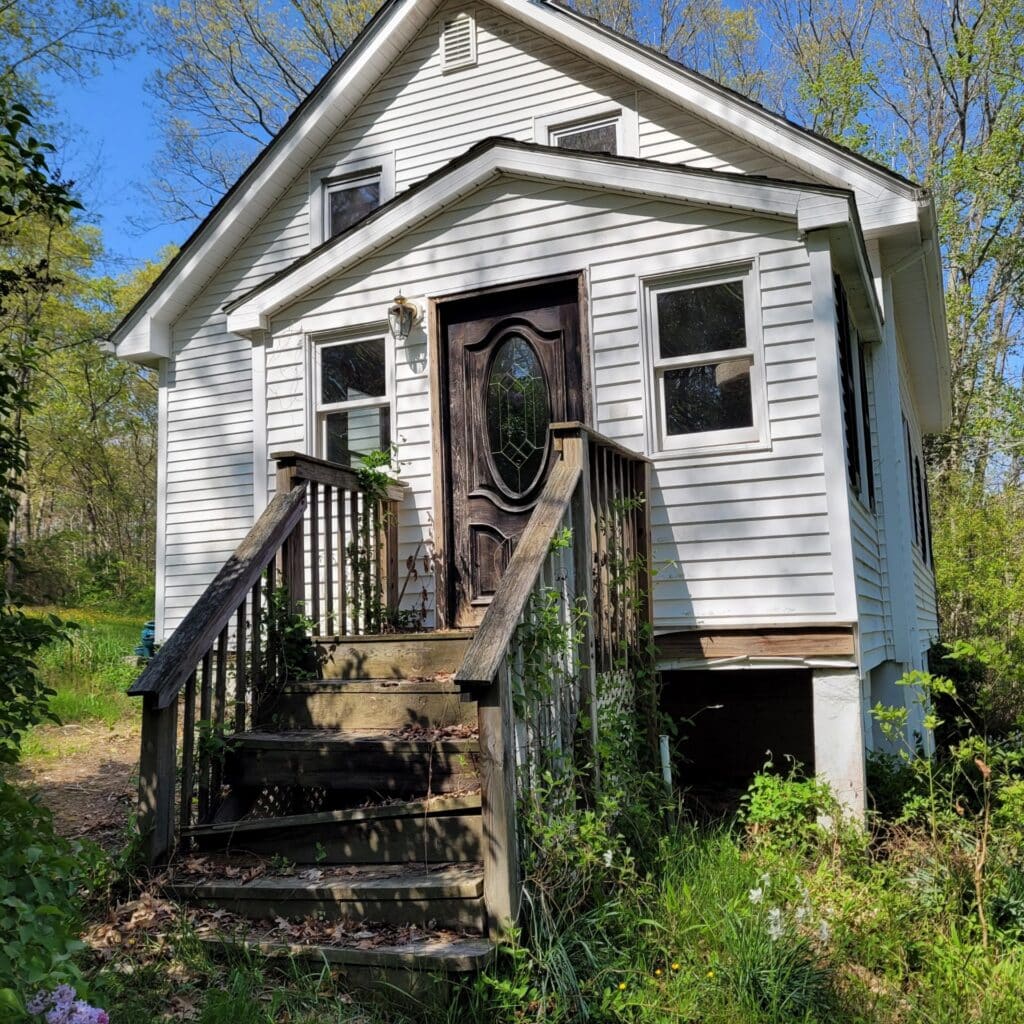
739,537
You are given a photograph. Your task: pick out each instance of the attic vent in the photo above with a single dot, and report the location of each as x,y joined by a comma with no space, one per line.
458,42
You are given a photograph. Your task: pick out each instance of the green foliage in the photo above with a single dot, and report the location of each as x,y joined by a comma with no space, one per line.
41,883
788,809
90,669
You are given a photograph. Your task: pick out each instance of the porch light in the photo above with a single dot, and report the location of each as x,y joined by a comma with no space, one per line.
402,314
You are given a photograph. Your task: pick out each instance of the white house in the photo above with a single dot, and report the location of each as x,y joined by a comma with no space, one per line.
755,309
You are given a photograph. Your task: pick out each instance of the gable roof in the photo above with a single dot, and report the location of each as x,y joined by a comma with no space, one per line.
145,334
811,206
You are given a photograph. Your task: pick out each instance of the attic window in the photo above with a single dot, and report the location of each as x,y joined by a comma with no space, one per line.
591,136
458,42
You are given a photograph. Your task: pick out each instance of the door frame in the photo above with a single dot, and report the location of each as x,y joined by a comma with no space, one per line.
437,358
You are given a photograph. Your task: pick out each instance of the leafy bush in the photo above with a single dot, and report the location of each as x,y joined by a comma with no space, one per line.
787,809
24,697
42,878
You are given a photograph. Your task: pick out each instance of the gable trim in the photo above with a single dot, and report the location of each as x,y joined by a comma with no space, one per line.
813,207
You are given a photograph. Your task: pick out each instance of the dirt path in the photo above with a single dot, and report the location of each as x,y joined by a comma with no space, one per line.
87,775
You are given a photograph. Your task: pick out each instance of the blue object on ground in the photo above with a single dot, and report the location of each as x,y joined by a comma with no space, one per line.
146,648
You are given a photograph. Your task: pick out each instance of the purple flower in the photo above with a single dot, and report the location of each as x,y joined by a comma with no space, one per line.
37,1003
63,995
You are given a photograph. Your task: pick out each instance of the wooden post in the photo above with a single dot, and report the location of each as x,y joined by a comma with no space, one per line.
502,888
157,770
293,560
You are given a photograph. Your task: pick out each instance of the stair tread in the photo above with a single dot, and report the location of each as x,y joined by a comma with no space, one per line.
313,739
464,953
446,685
382,812
398,883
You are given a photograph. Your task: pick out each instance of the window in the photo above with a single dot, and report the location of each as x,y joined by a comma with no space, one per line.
349,200
920,506
855,397
706,378
609,126
352,398
341,195
591,137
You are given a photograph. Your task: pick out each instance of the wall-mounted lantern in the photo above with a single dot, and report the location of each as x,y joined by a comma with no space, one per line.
402,314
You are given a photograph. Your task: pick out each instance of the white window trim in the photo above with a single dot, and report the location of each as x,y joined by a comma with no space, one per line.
547,127
318,410
322,179
756,437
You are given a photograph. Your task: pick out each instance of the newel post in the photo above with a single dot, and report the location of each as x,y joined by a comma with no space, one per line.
157,771
292,560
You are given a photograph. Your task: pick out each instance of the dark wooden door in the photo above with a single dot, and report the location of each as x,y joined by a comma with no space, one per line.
512,366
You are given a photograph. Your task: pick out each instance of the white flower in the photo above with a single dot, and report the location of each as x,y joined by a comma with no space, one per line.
824,932
607,858
802,912
775,924
756,895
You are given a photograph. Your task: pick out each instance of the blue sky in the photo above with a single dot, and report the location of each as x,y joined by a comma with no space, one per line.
111,138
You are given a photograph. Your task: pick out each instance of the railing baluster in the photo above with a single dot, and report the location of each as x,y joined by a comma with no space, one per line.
256,668
314,553
330,612
270,661
188,752
205,715
342,566
220,696
240,668
357,566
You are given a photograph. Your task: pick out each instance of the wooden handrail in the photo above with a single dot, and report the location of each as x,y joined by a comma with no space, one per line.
306,467
487,649
573,428
167,673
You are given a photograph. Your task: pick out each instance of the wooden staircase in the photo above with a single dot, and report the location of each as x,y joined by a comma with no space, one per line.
365,813
356,804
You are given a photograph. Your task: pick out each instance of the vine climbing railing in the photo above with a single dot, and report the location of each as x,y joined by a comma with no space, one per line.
322,559
569,623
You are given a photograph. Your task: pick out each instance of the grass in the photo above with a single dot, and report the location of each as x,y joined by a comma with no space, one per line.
90,671
709,926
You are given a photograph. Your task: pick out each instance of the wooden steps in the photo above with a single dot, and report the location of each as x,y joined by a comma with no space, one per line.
394,656
372,705
446,897
437,830
353,809
352,762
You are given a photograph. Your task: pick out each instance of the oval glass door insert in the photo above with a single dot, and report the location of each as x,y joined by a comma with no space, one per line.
518,414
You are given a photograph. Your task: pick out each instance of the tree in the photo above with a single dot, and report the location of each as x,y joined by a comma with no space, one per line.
231,73
27,193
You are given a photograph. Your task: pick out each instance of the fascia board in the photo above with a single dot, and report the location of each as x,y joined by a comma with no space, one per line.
670,182
285,157
816,157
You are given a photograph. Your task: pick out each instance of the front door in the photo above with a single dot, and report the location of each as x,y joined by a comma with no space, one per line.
511,366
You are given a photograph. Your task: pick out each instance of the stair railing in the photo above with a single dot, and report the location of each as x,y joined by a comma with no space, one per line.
323,544
583,563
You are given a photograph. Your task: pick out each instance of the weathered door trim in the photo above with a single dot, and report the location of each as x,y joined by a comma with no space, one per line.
437,358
